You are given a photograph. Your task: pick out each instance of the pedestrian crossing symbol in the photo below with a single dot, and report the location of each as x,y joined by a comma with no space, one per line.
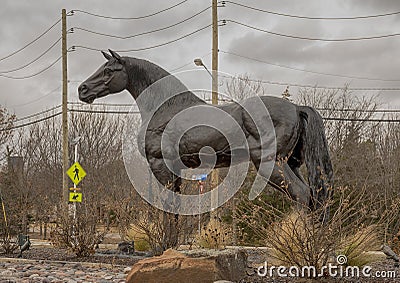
76,173
75,197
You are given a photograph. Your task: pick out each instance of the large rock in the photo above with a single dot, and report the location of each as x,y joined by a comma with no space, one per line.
193,267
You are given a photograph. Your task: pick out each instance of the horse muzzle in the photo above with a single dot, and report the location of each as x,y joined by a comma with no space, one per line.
84,93
88,94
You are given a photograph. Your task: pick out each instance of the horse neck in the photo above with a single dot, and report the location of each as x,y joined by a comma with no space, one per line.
151,86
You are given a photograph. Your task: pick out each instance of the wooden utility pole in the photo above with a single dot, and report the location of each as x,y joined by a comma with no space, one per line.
65,160
214,173
214,52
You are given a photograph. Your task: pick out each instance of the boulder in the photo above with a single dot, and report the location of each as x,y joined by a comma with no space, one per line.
199,267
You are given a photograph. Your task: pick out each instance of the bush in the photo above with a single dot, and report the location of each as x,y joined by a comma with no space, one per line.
299,238
81,235
214,235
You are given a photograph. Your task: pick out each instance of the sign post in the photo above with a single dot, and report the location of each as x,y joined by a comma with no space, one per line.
76,174
201,178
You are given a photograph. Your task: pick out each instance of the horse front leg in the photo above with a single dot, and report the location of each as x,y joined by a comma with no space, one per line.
170,222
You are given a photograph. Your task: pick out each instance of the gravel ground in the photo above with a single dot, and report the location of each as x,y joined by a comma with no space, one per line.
379,269
56,254
116,265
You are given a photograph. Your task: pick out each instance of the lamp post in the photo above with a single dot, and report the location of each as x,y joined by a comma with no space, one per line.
198,62
214,172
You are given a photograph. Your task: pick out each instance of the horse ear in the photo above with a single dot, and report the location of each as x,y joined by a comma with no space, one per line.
115,55
107,56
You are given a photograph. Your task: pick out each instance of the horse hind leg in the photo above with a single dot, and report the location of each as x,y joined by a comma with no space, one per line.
285,179
281,178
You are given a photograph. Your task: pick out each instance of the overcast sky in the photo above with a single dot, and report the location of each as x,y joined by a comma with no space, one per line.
23,21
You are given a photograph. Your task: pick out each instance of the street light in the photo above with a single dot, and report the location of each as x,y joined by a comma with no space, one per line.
198,62
214,172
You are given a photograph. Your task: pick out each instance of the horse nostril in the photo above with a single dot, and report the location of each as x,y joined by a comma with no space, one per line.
82,89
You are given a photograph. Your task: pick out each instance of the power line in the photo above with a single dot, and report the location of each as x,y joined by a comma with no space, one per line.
311,18
307,71
131,18
33,115
38,113
360,110
315,86
100,104
317,108
138,112
147,48
34,60
30,43
39,98
325,118
32,75
103,111
142,33
31,123
314,38
362,120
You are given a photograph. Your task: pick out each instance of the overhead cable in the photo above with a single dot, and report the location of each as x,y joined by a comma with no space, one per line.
146,48
314,38
308,71
37,99
31,42
34,60
32,75
311,18
142,33
129,18
31,123
315,85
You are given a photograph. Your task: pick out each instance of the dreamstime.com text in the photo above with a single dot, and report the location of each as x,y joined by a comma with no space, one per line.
332,270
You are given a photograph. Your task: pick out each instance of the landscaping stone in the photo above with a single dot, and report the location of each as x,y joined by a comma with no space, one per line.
200,266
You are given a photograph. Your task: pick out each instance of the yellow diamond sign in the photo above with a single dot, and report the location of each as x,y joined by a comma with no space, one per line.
76,173
75,197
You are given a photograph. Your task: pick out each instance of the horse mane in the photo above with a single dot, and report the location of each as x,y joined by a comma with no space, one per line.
142,74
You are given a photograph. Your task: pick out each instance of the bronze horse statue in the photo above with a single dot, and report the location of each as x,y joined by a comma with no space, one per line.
299,131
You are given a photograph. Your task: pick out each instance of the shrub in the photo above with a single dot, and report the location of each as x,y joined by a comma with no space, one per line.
299,238
214,235
81,235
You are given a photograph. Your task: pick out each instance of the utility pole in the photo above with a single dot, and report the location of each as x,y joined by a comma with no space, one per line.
214,52
64,110
214,173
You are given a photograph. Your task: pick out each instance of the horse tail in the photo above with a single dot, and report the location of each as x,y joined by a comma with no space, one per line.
317,159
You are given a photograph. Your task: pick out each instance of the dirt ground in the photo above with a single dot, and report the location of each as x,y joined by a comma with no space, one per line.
43,250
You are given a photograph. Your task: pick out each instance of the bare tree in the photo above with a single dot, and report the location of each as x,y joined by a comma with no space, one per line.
242,87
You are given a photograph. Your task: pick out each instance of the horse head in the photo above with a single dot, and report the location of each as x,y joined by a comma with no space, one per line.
110,78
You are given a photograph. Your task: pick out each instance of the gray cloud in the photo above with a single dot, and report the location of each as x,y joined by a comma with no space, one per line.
22,21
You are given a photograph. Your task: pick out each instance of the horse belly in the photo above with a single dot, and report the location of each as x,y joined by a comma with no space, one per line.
199,146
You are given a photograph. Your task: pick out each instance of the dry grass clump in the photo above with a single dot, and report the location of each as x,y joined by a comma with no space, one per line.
356,247
299,238
214,235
